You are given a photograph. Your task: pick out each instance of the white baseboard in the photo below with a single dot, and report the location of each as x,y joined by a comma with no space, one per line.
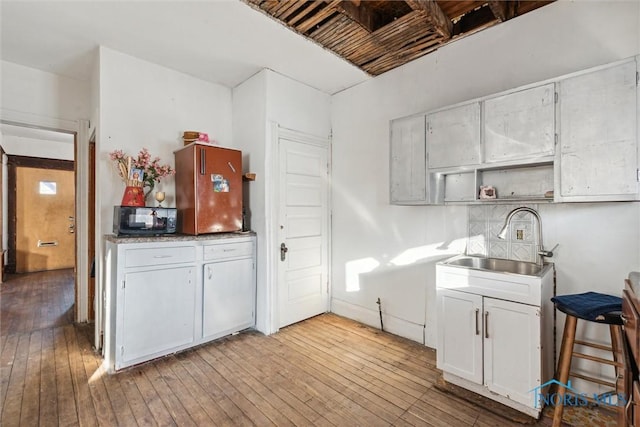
392,324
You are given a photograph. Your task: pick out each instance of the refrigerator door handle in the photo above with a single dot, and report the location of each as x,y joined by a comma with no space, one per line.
203,161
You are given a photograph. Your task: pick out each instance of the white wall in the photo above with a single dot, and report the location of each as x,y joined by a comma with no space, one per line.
369,234
265,99
143,105
32,147
32,96
250,136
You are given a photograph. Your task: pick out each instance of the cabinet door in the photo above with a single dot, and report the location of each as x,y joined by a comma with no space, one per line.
453,136
512,349
599,150
408,174
228,297
520,125
158,310
459,349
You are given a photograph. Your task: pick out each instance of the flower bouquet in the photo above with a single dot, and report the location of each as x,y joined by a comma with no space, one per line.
138,173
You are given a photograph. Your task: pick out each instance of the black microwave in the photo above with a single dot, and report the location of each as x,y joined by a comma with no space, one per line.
140,221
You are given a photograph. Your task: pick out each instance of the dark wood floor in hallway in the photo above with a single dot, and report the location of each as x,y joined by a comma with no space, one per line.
35,301
324,371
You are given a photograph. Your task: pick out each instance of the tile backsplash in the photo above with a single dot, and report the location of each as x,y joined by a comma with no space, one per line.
486,221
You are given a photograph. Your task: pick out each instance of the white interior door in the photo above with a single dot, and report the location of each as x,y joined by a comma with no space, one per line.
303,230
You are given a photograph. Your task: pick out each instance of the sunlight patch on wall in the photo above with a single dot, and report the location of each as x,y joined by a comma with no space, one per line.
427,252
353,270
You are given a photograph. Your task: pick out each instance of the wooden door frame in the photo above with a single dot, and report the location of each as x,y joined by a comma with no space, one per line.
13,162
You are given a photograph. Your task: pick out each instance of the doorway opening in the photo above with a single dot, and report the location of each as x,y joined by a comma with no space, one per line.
39,205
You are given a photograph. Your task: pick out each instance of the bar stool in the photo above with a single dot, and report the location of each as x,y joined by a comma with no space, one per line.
599,308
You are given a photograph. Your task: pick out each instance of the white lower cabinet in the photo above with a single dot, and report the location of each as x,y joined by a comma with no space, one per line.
512,357
497,348
154,301
163,296
228,297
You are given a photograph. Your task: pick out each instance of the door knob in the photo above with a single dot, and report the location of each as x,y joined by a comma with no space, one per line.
283,252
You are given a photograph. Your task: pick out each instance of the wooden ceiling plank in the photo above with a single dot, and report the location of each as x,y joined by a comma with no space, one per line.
330,36
345,38
434,15
320,32
294,6
318,17
310,6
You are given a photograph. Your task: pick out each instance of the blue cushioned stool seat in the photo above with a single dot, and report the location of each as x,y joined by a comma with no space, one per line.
592,306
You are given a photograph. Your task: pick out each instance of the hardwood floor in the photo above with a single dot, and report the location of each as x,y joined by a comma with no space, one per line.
324,371
36,301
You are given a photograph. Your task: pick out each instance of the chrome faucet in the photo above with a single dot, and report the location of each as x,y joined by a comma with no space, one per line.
540,248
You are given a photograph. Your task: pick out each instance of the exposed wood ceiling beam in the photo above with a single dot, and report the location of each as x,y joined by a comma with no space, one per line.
503,10
358,12
434,15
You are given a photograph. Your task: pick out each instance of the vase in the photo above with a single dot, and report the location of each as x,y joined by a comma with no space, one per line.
133,196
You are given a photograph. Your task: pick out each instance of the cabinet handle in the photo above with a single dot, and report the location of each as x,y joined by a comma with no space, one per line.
477,322
486,324
203,161
210,272
163,256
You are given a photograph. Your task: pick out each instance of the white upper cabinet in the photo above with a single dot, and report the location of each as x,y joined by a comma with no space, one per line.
453,136
408,174
598,135
520,125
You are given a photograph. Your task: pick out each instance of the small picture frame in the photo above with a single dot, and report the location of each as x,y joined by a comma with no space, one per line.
136,175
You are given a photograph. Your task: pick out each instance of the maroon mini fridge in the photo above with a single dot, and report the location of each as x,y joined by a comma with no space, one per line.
208,189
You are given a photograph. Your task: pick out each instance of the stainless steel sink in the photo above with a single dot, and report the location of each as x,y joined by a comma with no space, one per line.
497,265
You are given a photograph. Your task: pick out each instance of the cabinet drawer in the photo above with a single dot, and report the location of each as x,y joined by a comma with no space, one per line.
159,256
228,250
631,321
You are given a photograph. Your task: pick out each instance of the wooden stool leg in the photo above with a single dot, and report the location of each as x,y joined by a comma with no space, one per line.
623,377
564,366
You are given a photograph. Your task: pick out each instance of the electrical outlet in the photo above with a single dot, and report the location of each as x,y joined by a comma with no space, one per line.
519,234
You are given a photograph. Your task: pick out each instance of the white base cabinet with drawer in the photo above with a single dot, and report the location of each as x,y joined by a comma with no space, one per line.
495,333
165,296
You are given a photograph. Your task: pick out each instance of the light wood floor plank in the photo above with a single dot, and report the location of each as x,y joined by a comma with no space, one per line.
156,406
201,396
49,391
389,399
30,411
303,386
15,389
176,387
9,347
82,393
194,365
66,409
243,371
355,398
410,387
264,371
139,408
257,408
